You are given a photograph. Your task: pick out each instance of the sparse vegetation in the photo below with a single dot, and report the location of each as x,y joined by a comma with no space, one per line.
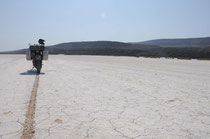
203,58
184,58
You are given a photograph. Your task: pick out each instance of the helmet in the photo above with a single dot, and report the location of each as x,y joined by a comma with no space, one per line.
41,41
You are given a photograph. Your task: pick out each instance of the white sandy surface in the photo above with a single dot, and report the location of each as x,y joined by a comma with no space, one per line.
107,98
15,90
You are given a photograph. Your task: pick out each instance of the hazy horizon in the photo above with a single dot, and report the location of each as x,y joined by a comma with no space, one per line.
24,21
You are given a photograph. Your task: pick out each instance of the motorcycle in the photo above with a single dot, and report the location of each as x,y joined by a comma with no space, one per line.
37,53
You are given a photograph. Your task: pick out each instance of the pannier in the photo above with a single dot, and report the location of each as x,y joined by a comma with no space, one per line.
36,48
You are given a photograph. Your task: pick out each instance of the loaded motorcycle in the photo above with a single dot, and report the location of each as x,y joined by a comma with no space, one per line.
37,53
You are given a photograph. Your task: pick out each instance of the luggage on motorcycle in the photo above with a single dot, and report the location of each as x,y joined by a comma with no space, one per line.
28,55
45,55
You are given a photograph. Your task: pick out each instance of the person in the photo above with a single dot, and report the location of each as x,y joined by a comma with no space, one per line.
37,50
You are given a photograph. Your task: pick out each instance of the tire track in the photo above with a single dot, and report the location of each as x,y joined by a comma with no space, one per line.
28,131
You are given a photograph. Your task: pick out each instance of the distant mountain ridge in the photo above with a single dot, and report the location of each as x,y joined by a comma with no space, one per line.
190,48
188,42
101,48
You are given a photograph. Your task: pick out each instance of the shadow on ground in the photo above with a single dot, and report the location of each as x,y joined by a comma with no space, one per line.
31,72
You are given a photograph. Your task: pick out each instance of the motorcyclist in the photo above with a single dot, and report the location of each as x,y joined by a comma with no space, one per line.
38,52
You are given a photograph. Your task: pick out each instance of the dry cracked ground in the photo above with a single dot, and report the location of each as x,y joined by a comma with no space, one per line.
81,97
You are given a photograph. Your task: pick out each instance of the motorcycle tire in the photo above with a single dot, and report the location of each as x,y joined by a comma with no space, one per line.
38,66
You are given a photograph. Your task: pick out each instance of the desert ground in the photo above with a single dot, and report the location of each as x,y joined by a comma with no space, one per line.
105,97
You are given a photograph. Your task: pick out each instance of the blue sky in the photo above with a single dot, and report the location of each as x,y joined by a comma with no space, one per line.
58,21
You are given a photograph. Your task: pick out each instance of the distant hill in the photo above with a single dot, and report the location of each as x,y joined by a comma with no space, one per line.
99,48
102,48
21,51
198,48
190,42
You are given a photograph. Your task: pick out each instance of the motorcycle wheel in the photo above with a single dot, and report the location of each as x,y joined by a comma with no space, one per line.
38,66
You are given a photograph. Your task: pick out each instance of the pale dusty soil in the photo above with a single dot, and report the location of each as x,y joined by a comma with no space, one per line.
107,98
15,91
